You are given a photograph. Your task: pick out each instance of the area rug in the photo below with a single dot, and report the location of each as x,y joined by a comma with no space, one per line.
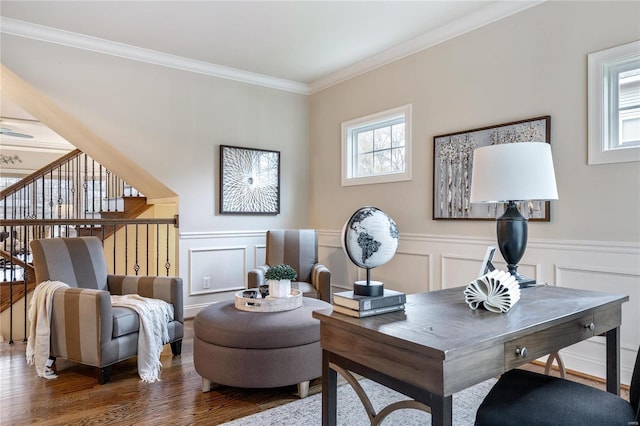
308,411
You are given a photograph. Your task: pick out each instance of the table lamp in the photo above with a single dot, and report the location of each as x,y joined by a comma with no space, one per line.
507,173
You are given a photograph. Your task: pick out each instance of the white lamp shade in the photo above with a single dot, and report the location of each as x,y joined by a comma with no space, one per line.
513,172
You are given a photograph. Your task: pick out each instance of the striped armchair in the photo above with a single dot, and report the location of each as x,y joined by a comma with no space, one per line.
299,249
85,328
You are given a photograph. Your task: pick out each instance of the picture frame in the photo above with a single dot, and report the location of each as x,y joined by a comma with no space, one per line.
453,162
487,265
249,181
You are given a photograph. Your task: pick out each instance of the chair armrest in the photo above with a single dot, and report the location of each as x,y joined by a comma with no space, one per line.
321,280
256,276
169,289
81,324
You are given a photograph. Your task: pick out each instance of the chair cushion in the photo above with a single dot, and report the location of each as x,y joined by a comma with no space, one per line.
307,289
525,398
125,321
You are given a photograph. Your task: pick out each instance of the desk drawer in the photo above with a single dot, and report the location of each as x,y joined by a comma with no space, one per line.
533,346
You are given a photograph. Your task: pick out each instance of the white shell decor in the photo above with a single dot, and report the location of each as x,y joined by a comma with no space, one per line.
496,291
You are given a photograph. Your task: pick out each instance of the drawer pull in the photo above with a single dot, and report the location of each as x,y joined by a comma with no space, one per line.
591,326
521,352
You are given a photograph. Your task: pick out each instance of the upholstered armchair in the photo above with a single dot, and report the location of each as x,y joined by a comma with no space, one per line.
85,328
299,249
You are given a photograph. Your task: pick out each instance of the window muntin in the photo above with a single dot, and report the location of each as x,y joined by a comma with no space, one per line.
377,148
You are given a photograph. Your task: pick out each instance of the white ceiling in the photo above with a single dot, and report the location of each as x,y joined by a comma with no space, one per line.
306,42
303,46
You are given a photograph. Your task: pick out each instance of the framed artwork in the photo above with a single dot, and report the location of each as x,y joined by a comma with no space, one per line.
249,181
453,162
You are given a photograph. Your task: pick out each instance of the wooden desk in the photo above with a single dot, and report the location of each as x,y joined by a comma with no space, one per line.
439,346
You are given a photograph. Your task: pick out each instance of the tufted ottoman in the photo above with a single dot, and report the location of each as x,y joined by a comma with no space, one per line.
258,349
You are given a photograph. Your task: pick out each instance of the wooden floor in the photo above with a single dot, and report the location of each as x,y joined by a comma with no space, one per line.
75,398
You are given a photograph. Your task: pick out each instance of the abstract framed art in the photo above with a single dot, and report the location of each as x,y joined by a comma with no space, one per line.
453,163
249,181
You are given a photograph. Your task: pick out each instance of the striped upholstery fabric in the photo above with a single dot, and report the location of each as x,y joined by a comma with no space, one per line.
85,328
299,249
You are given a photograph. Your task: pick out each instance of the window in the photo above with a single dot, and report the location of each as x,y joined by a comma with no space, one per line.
377,148
614,105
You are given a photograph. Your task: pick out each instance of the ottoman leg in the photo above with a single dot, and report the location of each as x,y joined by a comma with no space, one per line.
206,385
303,389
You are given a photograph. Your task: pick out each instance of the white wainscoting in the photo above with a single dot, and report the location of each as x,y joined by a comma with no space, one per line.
433,262
428,262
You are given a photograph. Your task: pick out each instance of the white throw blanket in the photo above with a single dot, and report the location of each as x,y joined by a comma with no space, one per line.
154,315
38,342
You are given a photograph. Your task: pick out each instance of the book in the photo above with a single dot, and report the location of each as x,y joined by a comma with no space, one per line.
496,291
369,312
365,303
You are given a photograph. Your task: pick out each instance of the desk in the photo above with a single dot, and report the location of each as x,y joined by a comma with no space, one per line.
438,346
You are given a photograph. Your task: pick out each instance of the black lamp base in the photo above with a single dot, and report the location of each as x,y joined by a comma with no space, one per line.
368,288
523,281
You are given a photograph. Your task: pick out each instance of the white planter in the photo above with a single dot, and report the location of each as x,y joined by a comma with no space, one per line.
280,288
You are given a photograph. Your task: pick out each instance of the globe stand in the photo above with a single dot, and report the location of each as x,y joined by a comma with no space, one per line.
368,288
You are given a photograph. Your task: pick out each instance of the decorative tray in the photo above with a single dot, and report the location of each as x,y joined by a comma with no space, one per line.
267,304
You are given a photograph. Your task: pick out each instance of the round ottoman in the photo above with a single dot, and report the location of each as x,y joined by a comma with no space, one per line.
258,349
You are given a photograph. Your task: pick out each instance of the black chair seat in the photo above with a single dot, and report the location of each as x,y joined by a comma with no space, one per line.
525,398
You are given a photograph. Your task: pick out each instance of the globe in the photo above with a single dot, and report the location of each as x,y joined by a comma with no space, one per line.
370,239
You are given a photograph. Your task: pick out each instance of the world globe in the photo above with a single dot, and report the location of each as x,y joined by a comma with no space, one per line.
370,237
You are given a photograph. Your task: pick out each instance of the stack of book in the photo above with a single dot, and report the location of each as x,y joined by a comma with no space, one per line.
347,303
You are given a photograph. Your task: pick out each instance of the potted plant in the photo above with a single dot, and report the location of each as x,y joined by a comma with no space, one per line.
279,278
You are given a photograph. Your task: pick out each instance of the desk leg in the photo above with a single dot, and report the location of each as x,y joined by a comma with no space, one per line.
613,361
441,410
329,391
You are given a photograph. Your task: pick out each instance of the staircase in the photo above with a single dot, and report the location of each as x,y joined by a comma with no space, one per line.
75,196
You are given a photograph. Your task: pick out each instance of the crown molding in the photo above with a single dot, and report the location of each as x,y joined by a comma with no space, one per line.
485,16
107,47
482,17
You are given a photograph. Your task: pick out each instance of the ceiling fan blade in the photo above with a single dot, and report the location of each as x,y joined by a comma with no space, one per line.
8,132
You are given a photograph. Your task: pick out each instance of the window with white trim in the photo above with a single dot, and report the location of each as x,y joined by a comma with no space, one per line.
614,105
377,148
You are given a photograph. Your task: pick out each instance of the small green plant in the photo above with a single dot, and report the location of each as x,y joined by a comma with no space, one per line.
281,272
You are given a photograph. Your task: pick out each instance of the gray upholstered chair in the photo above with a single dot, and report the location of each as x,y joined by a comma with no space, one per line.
297,248
85,328
526,398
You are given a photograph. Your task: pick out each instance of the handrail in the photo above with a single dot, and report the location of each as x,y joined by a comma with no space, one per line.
90,222
38,173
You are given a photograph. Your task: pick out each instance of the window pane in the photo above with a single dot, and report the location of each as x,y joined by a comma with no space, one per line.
630,129
397,160
382,161
382,138
397,133
365,141
365,165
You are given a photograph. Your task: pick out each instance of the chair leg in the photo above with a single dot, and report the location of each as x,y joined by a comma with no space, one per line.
104,375
206,385
176,347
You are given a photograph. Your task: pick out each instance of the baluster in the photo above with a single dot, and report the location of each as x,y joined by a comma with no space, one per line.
157,248
25,275
126,250
167,265
147,248
85,204
136,266
100,185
